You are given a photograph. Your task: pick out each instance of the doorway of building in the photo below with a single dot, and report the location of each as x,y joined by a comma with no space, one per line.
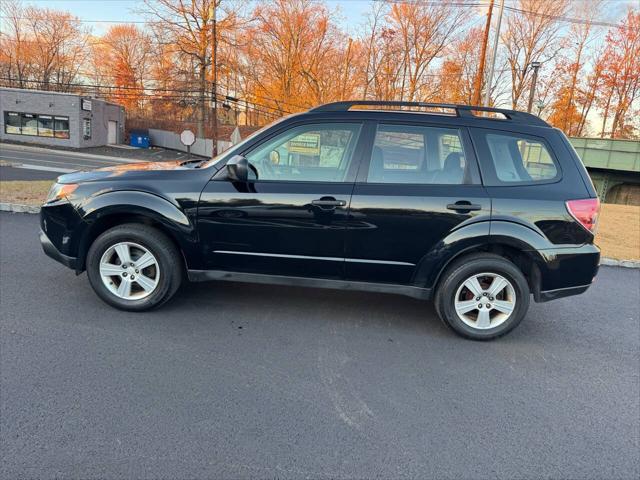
112,136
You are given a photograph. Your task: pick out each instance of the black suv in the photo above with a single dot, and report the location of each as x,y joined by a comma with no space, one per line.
476,207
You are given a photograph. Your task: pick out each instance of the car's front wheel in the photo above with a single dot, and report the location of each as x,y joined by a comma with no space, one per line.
134,267
483,296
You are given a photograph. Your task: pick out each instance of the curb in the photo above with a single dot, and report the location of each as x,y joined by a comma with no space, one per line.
17,208
28,148
612,262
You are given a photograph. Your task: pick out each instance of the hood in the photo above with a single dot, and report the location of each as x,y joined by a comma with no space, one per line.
124,170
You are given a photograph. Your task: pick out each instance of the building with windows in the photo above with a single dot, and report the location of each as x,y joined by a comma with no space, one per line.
60,119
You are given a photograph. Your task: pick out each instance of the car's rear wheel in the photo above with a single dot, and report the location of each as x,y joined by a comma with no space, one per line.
134,267
482,296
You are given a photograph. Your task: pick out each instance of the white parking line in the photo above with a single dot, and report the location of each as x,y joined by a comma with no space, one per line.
45,169
85,163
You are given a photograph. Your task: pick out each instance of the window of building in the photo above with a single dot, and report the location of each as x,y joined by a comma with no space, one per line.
12,123
61,127
29,124
417,155
45,126
33,124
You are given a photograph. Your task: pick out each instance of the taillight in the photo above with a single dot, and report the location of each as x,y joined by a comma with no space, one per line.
585,212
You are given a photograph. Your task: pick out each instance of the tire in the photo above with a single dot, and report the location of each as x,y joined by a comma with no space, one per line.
159,280
456,303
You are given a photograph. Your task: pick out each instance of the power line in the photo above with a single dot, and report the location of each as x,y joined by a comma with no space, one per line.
462,3
127,92
580,21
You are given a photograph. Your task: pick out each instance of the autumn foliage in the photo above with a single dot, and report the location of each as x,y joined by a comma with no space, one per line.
281,56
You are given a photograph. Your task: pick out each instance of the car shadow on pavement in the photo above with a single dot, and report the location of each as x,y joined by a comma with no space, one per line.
310,305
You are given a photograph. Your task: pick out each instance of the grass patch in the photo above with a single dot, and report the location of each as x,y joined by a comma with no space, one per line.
24,192
618,229
618,233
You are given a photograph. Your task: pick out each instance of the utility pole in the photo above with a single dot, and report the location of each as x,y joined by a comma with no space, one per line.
483,54
214,87
532,93
493,56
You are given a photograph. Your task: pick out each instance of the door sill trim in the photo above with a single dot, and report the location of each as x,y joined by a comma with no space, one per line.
223,275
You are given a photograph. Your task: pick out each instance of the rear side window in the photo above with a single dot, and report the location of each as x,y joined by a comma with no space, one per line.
412,154
519,159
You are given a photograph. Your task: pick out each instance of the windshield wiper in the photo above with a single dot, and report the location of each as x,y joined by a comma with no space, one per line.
195,160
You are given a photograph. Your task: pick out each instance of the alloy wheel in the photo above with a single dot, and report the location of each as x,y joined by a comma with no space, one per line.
129,270
485,301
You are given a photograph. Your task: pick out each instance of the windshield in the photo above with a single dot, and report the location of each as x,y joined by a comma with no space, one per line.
219,160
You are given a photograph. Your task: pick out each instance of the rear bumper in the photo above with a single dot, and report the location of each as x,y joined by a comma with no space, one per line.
50,249
563,272
561,292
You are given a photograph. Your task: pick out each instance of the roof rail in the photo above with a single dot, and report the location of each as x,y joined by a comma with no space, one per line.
460,110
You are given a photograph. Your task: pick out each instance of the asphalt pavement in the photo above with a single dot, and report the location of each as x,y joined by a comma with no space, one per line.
237,381
50,160
20,162
13,173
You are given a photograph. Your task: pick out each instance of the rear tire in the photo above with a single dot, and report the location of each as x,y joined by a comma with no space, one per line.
150,275
482,296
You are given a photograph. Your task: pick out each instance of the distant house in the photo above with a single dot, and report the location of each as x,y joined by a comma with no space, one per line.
62,119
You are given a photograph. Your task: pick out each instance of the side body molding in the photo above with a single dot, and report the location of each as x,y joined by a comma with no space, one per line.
173,219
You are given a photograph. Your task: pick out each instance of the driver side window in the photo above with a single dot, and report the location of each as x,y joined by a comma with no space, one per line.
307,153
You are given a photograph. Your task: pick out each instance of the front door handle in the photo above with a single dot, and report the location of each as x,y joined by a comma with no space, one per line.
329,202
463,206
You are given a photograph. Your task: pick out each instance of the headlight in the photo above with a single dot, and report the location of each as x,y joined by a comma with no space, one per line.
59,191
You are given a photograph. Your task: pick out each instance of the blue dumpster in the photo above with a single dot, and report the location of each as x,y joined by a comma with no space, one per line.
139,138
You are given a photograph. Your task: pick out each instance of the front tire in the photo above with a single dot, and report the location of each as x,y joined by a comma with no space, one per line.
482,296
134,267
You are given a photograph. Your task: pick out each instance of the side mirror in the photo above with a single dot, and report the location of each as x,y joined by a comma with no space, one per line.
238,169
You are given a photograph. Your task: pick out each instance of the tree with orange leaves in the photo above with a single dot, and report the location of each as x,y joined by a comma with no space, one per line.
122,59
297,57
41,48
620,87
404,43
456,77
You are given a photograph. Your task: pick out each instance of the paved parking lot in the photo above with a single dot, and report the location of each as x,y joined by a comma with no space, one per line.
235,380
19,162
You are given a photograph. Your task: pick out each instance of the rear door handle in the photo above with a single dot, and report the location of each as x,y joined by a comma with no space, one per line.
464,206
329,202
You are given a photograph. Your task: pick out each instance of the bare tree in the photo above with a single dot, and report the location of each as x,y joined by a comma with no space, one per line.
188,26
532,34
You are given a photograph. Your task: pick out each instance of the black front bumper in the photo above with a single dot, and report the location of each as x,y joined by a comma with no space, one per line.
50,249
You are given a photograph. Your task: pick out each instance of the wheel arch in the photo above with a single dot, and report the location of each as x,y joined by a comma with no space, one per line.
520,249
106,211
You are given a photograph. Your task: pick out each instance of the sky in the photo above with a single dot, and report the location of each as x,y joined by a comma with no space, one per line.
351,12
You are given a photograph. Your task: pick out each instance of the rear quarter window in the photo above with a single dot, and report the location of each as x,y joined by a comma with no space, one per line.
511,158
